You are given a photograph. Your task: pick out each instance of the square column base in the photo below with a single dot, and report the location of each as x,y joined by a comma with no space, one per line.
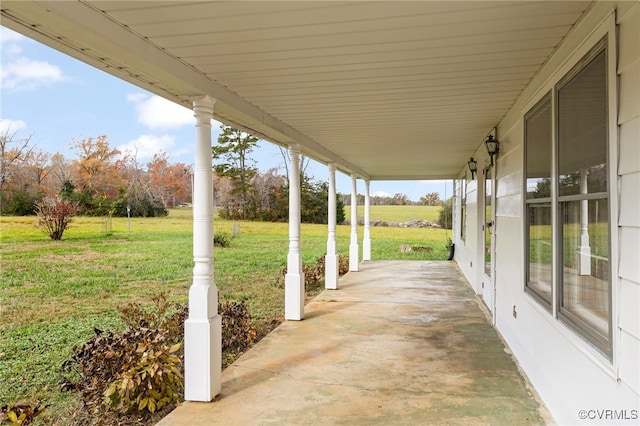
202,359
294,297
331,271
354,258
366,249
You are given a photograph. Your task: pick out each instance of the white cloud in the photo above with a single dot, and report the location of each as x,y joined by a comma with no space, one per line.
12,49
158,113
26,74
8,125
380,194
136,97
9,36
18,72
145,146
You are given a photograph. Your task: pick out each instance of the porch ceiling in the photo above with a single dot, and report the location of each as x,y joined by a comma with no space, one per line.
389,90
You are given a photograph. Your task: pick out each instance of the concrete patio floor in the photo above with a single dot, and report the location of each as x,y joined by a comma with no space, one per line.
400,343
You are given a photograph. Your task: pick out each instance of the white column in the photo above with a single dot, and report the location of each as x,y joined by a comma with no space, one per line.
202,330
294,280
366,241
331,260
585,248
354,249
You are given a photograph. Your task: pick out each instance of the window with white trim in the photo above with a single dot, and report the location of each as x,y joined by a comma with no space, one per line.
537,129
578,192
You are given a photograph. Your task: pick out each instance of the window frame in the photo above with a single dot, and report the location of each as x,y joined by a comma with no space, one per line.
463,209
542,103
601,40
603,343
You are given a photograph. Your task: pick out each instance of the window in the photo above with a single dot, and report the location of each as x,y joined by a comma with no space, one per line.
578,192
488,222
583,198
463,209
537,128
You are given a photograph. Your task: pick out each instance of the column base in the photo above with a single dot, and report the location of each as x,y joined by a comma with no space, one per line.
366,249
294,297
331,271
202,359
354,258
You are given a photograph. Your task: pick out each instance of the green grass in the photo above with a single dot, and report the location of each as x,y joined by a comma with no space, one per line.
397,213
53,293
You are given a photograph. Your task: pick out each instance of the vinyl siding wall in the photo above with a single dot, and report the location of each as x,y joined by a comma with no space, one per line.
568,372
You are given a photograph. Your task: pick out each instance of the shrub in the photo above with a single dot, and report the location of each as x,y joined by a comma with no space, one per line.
445,215
20,203
55,215
139,370
221,239
238,332
149,377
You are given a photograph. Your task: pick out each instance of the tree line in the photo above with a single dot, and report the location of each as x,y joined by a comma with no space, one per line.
102,180
399,199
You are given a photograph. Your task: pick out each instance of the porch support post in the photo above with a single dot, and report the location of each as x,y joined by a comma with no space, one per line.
331,260
294,280
202,330
585,248
366,241
354,249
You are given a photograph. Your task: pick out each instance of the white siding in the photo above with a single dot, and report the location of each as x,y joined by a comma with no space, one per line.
629,222
567,372
466,250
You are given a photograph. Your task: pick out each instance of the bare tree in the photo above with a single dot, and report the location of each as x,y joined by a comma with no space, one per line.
12,150
38,165
61,170
304,162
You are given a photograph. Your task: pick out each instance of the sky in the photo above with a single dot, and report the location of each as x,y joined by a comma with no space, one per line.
58,99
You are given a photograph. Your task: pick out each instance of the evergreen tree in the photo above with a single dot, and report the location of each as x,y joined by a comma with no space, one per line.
232,152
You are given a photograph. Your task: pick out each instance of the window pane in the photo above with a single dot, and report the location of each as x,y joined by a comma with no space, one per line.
463,211
585,261
488,229
582,130
540,249
538,146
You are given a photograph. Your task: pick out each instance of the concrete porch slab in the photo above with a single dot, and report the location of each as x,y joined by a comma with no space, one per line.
399,343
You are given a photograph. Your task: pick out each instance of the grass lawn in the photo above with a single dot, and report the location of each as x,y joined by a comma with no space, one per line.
53,293
397,213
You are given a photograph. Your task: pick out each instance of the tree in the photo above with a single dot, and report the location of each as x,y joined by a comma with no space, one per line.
12,150
232,152
431,199
171,183
18,190
60,171
445,215
304,163
401,199
95,168
270,196
137,197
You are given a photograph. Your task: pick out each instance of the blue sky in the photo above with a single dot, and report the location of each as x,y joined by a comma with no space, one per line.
59,99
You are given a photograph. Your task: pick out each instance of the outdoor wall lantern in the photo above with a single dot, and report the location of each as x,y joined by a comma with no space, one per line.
493,147
473,166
